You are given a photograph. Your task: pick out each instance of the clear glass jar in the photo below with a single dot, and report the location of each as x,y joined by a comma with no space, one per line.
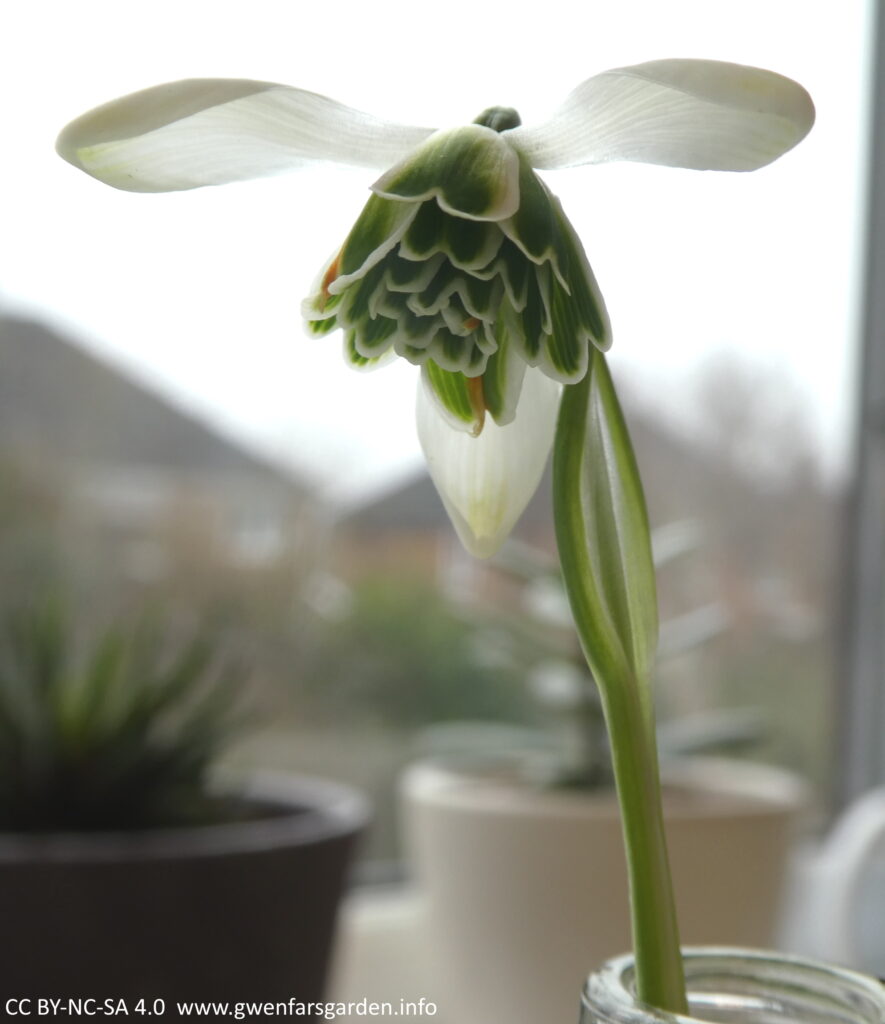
739,986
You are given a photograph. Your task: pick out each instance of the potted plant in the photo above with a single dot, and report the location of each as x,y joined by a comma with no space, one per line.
123,871
504,826
465,264
521,886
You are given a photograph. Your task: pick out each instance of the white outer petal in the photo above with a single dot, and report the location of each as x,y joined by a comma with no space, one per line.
209,131
702,114
486,482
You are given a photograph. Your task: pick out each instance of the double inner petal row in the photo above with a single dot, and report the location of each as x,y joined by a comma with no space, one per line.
473,282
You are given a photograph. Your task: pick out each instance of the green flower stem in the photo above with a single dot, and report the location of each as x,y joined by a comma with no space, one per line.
598,496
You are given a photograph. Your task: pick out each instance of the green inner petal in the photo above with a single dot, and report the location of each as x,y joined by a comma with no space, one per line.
455,316
376,231
392,304
531,327
436,294
478,361
455,394
372,337
456,353
355,358
502,380
418,330
471,244
513,269
481,298
321,327
472,171
565,354
425,235
411,275
449,350
486,339
544,279
585,293
359,301
416,354
534,227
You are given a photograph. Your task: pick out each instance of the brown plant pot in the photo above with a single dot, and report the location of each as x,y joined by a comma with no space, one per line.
240,911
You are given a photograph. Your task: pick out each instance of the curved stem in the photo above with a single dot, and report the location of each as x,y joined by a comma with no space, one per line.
629,715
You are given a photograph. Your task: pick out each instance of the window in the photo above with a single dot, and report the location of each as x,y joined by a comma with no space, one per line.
153,362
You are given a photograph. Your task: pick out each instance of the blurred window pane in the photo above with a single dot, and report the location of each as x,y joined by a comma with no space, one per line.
170,440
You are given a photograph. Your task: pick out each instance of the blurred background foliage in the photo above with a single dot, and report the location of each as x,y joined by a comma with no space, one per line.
364,625
115,734
402,655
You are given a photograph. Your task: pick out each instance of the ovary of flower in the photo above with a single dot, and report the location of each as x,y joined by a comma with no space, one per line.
462,261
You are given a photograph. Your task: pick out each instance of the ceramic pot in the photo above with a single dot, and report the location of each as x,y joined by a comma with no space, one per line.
220,912
522,888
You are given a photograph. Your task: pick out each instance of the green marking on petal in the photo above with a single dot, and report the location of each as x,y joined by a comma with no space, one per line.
481,298
413,353
502,380
530,333
471,244
319,328
392,304
372,337
478,363
416,330
359,301
377,230
468,244
471,171
361,362
534,227
565,355
411,275
319,304
545,282
459,354
485,338
449,350
457,397
436,294
513,268
425,235
457,319
585,293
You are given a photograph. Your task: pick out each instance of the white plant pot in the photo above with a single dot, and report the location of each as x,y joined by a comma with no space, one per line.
525,891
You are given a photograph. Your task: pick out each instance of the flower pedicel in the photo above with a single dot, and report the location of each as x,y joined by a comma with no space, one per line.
465,264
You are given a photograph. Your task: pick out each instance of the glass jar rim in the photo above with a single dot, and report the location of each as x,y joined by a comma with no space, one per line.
746,979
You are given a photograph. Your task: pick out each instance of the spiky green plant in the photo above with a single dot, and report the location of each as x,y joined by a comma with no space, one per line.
117,736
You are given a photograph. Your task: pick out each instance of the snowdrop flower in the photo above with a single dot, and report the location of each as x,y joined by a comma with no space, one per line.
462,261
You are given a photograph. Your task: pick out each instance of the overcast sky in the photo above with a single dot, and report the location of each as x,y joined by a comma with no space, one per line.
200,291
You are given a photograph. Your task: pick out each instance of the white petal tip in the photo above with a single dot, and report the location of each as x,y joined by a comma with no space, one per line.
486,482
479,547
699,114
